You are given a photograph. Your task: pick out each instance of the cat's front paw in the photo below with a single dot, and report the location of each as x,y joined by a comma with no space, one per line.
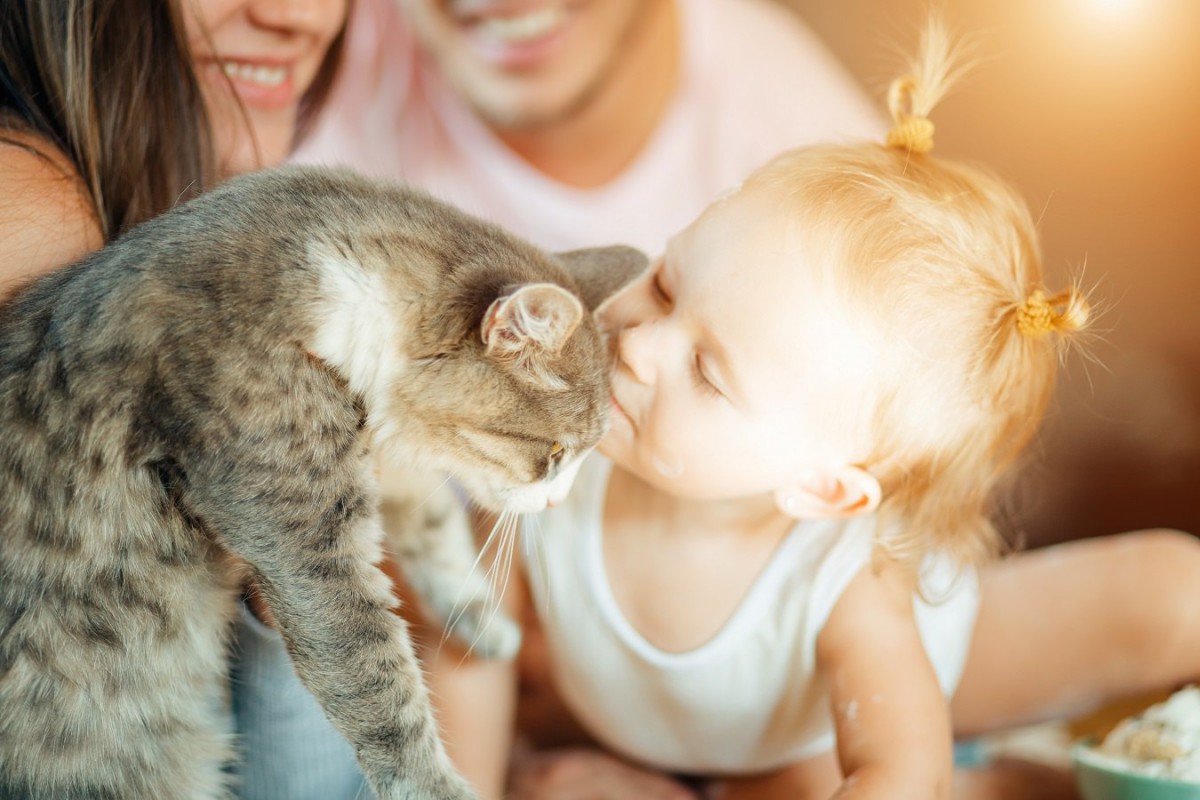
458,790
450,787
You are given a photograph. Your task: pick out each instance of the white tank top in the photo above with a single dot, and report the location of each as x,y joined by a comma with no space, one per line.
748,700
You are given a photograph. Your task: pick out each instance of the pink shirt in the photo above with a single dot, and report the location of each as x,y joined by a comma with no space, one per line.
755,81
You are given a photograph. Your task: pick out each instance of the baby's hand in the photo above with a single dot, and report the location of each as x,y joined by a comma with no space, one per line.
583,774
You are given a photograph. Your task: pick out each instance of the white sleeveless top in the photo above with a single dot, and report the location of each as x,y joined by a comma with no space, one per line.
748,700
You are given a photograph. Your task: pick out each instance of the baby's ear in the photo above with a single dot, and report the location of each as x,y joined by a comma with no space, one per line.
542,315
847,491
602,272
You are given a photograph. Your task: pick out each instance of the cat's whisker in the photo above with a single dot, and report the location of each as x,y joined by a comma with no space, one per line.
431,495
538,558
510,553
460,606
503,565
493,535
505,524
363,793
497,536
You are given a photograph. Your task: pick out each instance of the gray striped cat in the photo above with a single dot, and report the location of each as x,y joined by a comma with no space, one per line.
197,404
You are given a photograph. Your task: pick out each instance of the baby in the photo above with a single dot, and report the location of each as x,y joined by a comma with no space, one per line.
781,571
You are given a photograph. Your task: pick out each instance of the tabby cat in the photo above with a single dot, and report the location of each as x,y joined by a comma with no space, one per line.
196,405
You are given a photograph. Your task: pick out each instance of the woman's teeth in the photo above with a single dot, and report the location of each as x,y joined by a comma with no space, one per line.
525,27
250,73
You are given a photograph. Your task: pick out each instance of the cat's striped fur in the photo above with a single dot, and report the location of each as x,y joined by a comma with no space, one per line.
196,404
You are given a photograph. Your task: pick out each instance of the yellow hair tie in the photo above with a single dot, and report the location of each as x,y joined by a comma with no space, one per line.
1036,316
914,134
910,132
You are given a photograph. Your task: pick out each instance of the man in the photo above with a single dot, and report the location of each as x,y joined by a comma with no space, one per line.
576,123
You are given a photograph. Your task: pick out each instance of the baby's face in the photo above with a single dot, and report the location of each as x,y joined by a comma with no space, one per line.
737,371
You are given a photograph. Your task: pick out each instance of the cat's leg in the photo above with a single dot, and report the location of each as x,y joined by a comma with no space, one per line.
112,666
312,545
429,534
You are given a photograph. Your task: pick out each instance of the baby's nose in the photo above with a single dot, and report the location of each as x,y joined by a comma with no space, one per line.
636,349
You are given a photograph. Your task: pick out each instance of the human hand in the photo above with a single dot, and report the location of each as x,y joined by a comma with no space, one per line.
584,774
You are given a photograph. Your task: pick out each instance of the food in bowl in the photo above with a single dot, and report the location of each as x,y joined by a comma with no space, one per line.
1163,741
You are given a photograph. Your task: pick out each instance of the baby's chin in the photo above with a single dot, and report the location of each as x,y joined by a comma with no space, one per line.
612,448
624,457
617,447
664,472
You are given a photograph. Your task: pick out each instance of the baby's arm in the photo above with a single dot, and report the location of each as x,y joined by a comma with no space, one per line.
893,723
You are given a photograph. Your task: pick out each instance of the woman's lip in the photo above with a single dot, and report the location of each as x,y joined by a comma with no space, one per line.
262,83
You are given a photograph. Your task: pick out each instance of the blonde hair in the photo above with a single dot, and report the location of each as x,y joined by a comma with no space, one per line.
941,260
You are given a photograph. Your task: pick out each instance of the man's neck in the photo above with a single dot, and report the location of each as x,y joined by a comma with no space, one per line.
597,142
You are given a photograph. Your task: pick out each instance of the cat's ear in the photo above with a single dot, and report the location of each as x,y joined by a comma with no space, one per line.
601,272
537,314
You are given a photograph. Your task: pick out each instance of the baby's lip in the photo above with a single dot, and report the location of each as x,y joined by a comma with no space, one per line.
615,405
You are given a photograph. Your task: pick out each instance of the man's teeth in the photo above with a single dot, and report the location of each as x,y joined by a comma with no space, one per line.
525,27
249,73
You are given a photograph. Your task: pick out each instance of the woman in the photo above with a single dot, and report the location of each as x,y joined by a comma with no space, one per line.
112,111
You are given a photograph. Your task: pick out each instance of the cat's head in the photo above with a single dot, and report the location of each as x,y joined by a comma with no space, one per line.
505,384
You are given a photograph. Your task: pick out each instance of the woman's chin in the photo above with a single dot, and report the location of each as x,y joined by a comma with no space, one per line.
247,155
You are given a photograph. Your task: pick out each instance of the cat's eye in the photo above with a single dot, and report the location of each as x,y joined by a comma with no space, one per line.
555,449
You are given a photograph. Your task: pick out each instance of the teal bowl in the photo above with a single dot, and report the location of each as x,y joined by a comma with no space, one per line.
1098,780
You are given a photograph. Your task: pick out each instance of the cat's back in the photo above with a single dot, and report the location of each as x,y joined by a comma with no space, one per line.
231,265
103,360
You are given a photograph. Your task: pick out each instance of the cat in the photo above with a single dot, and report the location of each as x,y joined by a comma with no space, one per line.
199,404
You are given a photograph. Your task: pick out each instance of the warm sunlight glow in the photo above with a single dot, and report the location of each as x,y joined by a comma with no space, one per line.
1114,7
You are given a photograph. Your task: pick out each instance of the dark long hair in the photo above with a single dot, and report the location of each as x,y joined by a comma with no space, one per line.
110,83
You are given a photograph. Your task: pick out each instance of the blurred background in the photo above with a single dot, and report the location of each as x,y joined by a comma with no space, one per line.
1091,108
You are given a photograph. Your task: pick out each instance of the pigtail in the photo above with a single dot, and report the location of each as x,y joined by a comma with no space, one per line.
912,97
1066,312
941,260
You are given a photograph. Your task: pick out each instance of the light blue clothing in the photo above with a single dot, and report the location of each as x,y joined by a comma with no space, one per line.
289,750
